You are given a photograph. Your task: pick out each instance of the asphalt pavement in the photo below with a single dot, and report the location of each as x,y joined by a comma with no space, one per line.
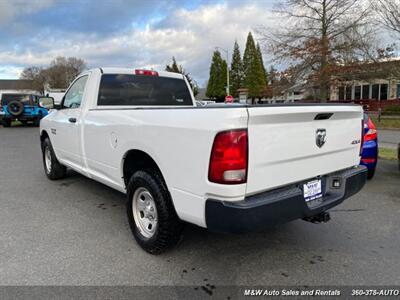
75,232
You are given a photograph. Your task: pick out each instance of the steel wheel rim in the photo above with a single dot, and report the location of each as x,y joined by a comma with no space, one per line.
144,212
47,159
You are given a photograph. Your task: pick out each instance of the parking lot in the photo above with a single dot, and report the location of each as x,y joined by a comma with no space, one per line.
75,232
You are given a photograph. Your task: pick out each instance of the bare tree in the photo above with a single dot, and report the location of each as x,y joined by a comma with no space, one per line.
318,36
37,75
61,72
388,13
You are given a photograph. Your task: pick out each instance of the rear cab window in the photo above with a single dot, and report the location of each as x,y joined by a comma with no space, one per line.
139,90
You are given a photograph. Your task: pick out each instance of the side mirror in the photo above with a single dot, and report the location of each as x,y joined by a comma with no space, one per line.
46,102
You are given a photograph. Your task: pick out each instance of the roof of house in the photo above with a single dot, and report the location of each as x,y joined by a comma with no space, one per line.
16,84
371,70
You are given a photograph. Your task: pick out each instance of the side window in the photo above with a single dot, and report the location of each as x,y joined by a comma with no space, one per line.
73,97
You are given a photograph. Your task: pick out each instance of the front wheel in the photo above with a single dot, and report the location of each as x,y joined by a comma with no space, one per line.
52,167
151,214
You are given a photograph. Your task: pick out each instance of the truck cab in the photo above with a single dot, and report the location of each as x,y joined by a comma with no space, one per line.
22,107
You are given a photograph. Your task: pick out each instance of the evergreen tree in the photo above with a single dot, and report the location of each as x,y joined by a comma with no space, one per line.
248,57
217,80
254,76
174,67
262,62
236,74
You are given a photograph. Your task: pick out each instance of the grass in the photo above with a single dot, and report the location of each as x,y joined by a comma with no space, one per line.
386,122
390,154
16,123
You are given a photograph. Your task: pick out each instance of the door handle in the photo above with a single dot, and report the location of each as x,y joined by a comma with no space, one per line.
72,120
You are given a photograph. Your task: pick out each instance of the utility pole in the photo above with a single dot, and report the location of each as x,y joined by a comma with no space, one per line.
227,69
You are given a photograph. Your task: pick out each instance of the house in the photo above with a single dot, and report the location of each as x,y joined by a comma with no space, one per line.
371,81
376,89
294,93
276,94
378,83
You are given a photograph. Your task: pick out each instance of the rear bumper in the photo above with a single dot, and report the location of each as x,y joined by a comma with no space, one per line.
282,205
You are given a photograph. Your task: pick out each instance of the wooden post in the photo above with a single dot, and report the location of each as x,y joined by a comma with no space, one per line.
379,114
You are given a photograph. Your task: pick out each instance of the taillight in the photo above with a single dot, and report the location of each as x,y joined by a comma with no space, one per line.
146,72
228,162
368,160
372,133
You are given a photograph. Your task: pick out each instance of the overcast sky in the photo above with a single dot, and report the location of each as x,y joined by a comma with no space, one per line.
125,33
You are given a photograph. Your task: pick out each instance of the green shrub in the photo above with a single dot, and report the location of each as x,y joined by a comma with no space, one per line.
386,122
391,110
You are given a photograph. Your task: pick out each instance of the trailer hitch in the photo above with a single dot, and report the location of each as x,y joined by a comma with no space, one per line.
320,218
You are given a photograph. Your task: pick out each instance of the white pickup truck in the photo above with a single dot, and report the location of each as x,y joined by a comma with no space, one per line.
228,168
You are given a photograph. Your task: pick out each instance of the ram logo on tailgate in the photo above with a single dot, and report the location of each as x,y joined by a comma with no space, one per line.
320,137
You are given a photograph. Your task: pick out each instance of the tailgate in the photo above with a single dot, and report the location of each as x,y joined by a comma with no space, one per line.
283,143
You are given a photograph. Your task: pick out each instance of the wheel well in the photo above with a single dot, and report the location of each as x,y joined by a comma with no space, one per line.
136,160
43,135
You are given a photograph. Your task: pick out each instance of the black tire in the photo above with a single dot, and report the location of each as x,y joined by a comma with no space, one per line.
56,170
371,173
169,228
36,121
15,108
6,123
398,155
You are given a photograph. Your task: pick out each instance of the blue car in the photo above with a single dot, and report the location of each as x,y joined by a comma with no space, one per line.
369,156
22,107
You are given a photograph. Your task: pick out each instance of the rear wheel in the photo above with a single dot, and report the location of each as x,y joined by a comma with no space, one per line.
6,122
151,214
52,167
